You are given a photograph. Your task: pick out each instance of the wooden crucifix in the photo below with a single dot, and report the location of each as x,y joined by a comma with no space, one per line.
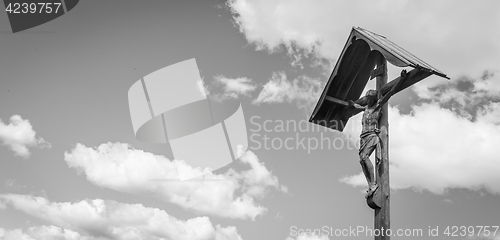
364,57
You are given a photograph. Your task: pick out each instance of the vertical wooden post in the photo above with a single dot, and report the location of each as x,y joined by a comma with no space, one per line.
382,214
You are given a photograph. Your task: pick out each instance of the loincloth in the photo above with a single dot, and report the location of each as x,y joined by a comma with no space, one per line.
370,141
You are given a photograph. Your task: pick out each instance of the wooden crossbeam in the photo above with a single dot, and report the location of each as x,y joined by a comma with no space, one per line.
414,76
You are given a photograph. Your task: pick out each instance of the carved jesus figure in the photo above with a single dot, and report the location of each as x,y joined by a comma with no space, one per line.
369,138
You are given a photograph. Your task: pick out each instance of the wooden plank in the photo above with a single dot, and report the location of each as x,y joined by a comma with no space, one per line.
382,214
344,66
362,78
336,100
352,61
354,88
413,77
349,64
355,70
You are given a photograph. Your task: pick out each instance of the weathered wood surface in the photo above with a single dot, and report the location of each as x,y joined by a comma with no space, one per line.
336,100
345,83
375,200
382,214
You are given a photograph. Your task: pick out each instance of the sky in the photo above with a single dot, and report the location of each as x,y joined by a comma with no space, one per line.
72,168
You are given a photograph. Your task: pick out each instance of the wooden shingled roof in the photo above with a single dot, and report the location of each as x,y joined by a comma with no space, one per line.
361,53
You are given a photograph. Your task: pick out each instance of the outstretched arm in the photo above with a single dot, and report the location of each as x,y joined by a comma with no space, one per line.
351,103
391,92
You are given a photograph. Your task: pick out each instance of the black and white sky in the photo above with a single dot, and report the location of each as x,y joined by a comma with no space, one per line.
71,167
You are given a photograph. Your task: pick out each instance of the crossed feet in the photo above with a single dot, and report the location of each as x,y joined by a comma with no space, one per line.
371,190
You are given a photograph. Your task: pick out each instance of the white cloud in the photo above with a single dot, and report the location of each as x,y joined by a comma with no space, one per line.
465,93
456,44
272,25
106,219
435,148
15,234
304,91
490,113
234,87
18,135
43,233
122,168
224,88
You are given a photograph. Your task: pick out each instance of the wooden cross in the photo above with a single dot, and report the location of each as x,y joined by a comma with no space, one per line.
363,52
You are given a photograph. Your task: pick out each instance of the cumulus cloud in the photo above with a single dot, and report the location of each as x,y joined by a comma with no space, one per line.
235,87
42,232
304,91
18,135
276,25
319,29
468,96
223,88
232,194
106,219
